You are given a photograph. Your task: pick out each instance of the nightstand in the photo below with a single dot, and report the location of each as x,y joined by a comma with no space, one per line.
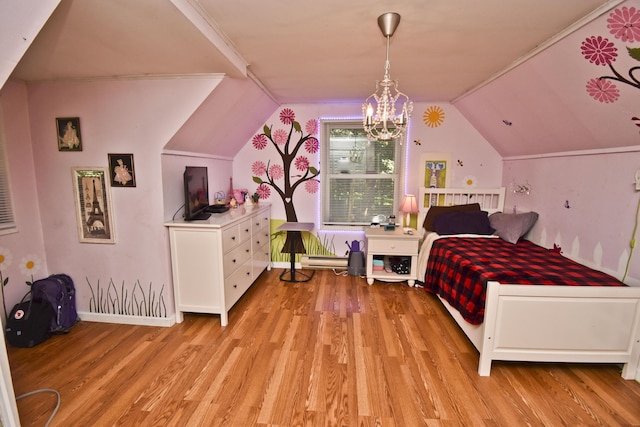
389,244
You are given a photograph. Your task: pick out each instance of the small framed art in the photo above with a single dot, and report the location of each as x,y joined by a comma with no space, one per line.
93,205
121,170
69,138
434,168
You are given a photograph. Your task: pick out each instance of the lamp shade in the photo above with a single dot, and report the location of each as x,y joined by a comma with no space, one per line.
409,205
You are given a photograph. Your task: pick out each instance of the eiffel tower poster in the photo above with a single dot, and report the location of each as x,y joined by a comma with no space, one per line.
93,205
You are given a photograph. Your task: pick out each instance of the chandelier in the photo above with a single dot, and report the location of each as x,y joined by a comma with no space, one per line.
386,112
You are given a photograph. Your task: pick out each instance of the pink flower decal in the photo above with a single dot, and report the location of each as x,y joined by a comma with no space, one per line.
263,191
276,171
311,186
258,168
259,141
603,90
311,127
624,24
599,51
280,136
301,163
287,116
311,145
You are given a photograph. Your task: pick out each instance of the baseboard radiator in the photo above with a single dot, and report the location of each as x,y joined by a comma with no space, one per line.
323,262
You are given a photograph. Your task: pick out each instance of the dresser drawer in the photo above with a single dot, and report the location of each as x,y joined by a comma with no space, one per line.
236,257
230,238
260,238
244,230
261,221
236,284
392,246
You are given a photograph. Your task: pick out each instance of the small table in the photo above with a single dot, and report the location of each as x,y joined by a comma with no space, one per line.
293,249
392,243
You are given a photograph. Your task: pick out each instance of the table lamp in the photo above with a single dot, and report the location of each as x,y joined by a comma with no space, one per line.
408,206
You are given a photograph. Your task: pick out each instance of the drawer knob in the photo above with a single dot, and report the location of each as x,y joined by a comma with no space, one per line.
247,250
234,261
258,242
248,273
247,230
235,286
233,238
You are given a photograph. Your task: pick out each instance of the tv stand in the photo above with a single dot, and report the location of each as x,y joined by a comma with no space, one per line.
214,262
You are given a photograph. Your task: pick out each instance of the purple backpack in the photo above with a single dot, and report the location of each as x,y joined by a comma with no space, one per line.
59,291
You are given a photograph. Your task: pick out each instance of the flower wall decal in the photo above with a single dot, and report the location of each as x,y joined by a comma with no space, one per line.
623,24
29,266
470,181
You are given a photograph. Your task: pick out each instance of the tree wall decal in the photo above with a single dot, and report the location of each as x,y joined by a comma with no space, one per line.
295,169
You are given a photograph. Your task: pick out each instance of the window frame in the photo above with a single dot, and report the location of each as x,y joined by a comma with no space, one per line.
7,210
398,176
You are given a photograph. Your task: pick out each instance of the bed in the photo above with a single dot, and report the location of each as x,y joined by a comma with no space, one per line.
531,321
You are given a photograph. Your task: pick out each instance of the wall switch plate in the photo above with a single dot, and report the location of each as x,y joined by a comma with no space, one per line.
638,180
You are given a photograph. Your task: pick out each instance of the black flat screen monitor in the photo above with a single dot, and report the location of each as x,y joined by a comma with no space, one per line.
196,193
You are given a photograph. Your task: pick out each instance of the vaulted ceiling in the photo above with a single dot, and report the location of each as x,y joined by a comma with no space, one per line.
302,52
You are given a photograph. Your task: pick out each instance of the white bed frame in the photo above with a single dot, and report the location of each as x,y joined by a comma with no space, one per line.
577,324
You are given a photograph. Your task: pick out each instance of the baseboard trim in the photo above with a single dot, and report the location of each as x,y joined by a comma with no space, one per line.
128,320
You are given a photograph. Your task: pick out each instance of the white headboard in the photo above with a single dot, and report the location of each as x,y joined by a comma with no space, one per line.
490,199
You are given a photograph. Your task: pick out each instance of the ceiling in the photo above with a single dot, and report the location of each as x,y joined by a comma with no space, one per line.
298,51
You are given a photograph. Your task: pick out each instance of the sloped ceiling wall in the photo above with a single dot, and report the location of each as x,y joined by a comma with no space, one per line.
20,22
543,106
226,120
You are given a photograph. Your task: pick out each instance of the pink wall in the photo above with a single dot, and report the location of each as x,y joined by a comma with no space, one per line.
28,240
134,116
546,102
597,227
454,136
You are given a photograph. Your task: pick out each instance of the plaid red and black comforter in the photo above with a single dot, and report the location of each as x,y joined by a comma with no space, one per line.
459,268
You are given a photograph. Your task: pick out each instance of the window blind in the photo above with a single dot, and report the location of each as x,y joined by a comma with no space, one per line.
361,176
6,207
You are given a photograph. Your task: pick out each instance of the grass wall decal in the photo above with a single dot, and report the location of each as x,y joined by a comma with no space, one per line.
125,301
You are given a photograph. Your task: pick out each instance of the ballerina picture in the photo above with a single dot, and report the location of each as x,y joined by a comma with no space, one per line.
69,134
121,170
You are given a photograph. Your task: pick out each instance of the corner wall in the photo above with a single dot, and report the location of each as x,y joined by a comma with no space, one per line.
587,205
123,116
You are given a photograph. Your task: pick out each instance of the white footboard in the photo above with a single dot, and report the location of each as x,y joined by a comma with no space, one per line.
561,324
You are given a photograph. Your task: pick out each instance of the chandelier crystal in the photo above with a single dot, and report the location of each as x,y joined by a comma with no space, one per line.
386,112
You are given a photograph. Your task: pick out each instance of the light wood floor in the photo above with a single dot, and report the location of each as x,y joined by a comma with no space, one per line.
331,352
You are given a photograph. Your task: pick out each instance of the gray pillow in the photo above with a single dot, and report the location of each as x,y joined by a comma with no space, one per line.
511,227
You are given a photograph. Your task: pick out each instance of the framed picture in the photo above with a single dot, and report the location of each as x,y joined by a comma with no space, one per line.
435,170
121,170
69,138
93,205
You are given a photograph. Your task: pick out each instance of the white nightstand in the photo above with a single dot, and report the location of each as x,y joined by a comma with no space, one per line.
391,243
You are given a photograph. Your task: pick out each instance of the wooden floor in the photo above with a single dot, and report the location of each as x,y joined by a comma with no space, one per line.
331,352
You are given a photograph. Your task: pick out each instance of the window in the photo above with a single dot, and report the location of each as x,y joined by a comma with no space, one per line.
361,176
7,223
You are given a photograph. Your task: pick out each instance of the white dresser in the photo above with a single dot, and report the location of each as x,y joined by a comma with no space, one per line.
215,261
